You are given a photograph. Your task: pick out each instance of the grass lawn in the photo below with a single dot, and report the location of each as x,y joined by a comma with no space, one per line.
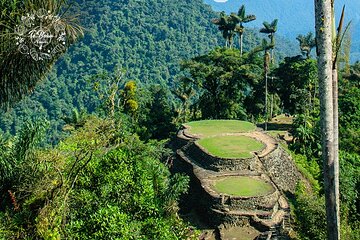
243,186
231,146
240,233
276,133
282,119
207,128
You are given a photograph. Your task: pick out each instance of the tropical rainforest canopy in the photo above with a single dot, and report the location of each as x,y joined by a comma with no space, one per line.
85,155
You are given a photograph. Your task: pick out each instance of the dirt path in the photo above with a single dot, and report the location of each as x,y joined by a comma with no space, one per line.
270,142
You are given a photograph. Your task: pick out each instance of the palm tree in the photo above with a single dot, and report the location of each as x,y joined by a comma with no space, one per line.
270,29
241,18
267,58
307,43
222,22
227,26
324,12
33,35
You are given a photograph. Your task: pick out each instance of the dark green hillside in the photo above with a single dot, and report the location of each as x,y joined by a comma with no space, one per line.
146,38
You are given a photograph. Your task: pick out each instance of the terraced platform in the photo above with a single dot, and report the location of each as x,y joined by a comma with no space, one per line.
207,128
237,173
243,186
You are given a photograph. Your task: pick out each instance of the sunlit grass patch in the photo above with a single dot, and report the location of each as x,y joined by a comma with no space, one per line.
231,146
243,186
215,127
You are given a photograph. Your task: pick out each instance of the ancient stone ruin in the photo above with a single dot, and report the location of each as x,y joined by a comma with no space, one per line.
267,212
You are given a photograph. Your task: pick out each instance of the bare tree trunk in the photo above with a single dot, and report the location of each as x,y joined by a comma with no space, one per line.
241,45
336,144
271,106
266,68
266,94
323,23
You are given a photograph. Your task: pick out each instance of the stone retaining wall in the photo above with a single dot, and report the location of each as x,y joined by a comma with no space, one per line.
281,169
277,168
262,203
217,207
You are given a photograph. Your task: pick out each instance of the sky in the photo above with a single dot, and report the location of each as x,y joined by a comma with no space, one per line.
295,16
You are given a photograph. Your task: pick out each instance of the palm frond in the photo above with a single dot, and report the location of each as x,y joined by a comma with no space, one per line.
241,12
274,24
233,18
249,18
265,30
266,25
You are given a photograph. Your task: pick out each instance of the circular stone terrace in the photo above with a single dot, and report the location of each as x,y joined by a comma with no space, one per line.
243,186
207,128
229,138
229,147
225,156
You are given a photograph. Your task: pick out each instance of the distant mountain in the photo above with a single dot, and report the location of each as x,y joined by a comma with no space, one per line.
295,16
146,38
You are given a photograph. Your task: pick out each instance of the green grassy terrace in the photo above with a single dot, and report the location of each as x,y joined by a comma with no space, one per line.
231,146
243,186
207,128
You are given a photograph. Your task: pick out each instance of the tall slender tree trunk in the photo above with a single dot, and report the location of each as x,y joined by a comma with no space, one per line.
336,140
241,44
266,94
266,69
323,23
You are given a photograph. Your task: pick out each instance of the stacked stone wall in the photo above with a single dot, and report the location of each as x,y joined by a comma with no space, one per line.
210,162
281,169
276,167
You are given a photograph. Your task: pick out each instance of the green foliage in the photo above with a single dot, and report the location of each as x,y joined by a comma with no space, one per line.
100,183
310,215
306,133
129,98
349,112
229,25
310,169
349,186
296,84
146,38
17,160
307,43
225,80
156,113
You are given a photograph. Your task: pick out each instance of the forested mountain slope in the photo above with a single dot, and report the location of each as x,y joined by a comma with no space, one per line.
146,38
